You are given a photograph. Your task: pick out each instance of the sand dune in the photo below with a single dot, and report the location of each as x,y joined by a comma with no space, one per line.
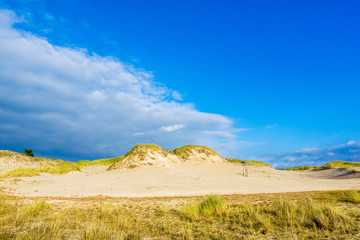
181,179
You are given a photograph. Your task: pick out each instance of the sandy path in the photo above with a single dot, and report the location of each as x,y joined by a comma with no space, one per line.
187,179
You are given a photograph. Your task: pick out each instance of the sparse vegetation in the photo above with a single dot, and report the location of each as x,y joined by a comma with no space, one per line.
142,148
56,166
329,165
340,164
301,168
280,216
248,162
182,150
29,172
99,162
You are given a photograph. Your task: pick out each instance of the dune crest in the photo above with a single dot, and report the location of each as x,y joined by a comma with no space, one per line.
198,153
144,155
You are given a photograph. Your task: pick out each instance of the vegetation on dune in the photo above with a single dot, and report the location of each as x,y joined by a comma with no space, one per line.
340,164
29,172
248,162
329,165
215,217
143,148
184,149
56,166
6,153
99,162
137,155
301,168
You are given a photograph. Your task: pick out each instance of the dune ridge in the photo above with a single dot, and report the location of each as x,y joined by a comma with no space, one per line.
145,155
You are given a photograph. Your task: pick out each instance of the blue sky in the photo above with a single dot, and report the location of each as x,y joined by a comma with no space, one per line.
264,80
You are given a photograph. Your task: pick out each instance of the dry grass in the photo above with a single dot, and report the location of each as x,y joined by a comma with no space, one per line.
248,162
142,149
55,166
184,149
267,216
99,162
29,172
329,165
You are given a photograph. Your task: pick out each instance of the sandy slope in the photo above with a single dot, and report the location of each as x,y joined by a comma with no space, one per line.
11,160
185,179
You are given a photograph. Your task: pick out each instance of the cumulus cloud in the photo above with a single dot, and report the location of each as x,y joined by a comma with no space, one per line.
67,102
316,156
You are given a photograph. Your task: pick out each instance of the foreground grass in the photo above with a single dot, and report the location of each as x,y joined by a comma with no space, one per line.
279,216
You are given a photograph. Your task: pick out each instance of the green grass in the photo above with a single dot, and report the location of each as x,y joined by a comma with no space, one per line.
340,164
248,162
98,162
301,168
350,196
329,165
211,206
285,216
58,167
29,172
187,148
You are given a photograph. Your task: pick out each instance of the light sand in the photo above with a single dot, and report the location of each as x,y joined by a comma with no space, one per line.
185,179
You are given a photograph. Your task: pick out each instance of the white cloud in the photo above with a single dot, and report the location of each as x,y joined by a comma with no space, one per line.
347,152
65,101
172,128
351,143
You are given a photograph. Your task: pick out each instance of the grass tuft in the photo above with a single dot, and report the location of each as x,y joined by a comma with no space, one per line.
211,206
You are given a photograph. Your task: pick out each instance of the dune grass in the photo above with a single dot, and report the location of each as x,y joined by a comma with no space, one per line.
329,165
186,148
301,168
341,196
248,162
211,206
29,172
212,217
340,164
141,149
59,167
98,162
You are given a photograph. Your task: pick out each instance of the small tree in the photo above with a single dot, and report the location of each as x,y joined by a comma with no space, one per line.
29,152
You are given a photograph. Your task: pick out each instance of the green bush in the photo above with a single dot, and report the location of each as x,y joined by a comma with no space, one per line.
28,152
